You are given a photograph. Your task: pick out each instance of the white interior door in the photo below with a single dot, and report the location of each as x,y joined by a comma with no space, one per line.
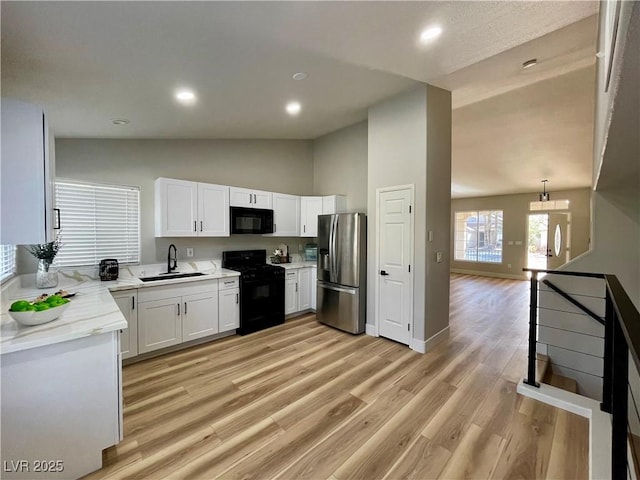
558,242
395,286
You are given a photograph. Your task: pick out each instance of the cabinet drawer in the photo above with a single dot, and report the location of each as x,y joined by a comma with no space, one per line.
150,294
226,283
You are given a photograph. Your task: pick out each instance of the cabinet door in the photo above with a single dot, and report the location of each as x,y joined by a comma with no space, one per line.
229,318
24,174
262,199
240,197
213,210
126,302
304,289
334,204
291,292
159,324
199,315
286,215
310,208
176,205
314,287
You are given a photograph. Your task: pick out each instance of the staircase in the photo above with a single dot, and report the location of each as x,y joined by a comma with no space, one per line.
614,423
556,380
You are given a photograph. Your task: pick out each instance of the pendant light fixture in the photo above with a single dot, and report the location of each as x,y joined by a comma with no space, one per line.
544,196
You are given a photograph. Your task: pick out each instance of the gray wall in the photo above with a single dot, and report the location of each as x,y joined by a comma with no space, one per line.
515,213
438,210
275,165
409,139
340,165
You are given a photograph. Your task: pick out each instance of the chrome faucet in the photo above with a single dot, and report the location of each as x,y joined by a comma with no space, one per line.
175,259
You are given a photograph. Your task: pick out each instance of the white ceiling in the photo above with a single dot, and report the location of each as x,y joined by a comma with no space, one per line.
90,62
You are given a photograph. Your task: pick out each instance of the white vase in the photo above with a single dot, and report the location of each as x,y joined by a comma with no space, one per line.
46,275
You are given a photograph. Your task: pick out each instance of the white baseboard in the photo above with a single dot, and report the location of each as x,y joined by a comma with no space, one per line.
510,276
371,329
423,346
599,422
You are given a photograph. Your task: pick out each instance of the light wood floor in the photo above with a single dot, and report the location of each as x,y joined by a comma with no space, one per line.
305,401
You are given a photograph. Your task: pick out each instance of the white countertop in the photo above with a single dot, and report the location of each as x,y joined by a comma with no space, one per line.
92,311
292,265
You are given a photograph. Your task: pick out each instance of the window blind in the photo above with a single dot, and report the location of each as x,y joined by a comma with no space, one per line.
98,221
7,261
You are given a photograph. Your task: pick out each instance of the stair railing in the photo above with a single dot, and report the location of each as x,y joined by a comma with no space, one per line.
621,341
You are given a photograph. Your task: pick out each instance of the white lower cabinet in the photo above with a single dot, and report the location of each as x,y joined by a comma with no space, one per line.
159,324
291,292
304,289
168,315
200,315
229,317
171,314
298,295
127,301
61,406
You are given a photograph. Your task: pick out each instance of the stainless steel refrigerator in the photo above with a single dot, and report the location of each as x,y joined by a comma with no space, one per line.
342,271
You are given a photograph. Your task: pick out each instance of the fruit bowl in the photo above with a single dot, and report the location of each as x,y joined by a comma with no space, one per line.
30,318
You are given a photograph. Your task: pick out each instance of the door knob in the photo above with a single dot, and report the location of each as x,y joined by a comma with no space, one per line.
382,272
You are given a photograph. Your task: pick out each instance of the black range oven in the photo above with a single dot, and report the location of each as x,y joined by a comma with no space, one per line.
261,289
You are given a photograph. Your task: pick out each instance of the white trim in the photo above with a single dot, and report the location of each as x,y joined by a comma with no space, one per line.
411,188
599,422
509,276
424,346
371,330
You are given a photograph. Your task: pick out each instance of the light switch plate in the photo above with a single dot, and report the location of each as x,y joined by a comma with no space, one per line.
189,252
439,257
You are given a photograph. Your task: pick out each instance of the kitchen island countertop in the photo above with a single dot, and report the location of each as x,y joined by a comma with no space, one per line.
293,265
92,311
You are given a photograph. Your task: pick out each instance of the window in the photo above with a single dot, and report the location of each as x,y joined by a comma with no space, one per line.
7,261
98,221
550,205
478,236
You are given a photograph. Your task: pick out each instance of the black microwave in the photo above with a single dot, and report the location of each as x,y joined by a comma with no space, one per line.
251,220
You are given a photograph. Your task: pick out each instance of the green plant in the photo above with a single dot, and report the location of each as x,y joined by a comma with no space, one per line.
45,251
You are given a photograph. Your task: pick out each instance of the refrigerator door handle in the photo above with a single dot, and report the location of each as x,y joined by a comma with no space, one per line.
333,257
349,290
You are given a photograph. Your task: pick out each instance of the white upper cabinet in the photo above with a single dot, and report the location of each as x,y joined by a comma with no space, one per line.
310,208
246,197
190,209
334,204
213,210
27,174
176,207
286,215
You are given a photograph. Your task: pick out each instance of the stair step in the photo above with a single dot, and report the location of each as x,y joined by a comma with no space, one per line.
565,383
542,366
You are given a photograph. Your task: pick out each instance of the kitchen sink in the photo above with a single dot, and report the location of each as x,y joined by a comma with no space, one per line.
170,276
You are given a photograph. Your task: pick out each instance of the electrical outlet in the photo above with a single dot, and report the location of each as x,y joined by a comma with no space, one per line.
508,265
189,252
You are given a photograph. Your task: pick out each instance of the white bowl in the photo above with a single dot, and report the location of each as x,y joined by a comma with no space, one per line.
38,318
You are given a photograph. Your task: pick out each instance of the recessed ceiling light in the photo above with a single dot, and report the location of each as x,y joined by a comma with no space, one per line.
529,63
120,121
430,33
300,76
293,108
185,96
